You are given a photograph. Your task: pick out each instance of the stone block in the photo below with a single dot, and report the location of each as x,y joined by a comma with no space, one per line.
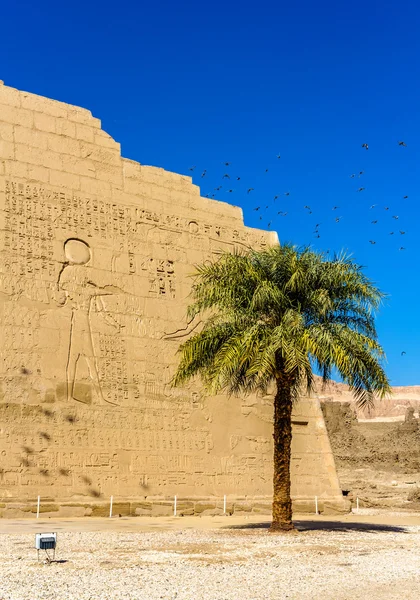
162,509
65,127
6,131
31,137
43,105
242,507
338,507
16,116
141,508
63,179
7,150
200,507
14,168
103,139
86,133
131,168
37,173
79,166
64,145
133,186
100,154
95,186
109,173
28,154
9,96
71,511
83,116
118,508
44,122
184,508
303,506
215,512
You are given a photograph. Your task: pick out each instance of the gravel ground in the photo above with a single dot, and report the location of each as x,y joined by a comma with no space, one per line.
331,561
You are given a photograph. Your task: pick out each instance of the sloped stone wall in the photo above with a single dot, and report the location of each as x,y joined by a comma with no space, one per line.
96,253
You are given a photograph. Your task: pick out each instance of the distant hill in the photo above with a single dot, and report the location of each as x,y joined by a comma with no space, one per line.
394,406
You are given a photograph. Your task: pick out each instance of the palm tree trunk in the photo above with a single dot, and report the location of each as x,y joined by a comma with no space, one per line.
282,503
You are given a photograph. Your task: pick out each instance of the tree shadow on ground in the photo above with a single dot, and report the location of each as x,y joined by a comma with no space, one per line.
339,526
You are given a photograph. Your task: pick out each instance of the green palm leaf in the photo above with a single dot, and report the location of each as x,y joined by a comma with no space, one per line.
273,315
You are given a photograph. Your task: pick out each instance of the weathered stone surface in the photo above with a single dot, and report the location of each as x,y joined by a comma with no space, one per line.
96,253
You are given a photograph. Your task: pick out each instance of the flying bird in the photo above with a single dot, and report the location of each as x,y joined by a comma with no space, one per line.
308,207
227,164
266,170
374,222
192,168
396,217
278,156
402,144
226,176
257,208
335,207
360,189
391,233
402,248
229,191
365,146
269,225
372,242
361,173
275,197
373,205
386,208
337,219
405,197
238,178
287,193
402,232
352,176
203,173
403,353
249,190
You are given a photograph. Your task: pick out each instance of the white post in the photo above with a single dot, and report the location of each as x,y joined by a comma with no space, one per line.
316,505
110,506
175,506
37,507
224,504
357,504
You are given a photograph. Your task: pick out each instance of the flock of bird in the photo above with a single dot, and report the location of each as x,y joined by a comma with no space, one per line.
259,209
227,177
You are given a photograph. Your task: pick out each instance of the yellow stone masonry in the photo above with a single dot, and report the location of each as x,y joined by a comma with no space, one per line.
96,254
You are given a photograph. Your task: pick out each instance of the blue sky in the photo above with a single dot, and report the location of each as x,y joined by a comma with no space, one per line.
190,83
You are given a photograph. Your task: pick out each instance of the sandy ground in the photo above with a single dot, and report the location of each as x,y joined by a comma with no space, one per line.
370,555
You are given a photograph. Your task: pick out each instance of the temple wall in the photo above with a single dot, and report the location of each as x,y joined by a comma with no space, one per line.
96,253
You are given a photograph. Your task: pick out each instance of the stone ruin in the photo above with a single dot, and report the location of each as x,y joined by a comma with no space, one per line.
96,253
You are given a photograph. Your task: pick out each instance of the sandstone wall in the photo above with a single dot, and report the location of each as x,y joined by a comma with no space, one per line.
96,253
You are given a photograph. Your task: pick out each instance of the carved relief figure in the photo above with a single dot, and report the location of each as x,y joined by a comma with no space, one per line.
82,294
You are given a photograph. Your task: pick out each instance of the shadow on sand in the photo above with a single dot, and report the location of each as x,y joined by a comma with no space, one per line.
329,526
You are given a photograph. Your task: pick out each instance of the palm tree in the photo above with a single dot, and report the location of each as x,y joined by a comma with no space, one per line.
277,315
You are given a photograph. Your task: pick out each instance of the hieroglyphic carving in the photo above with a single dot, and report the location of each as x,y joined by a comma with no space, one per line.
93,294
161,273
